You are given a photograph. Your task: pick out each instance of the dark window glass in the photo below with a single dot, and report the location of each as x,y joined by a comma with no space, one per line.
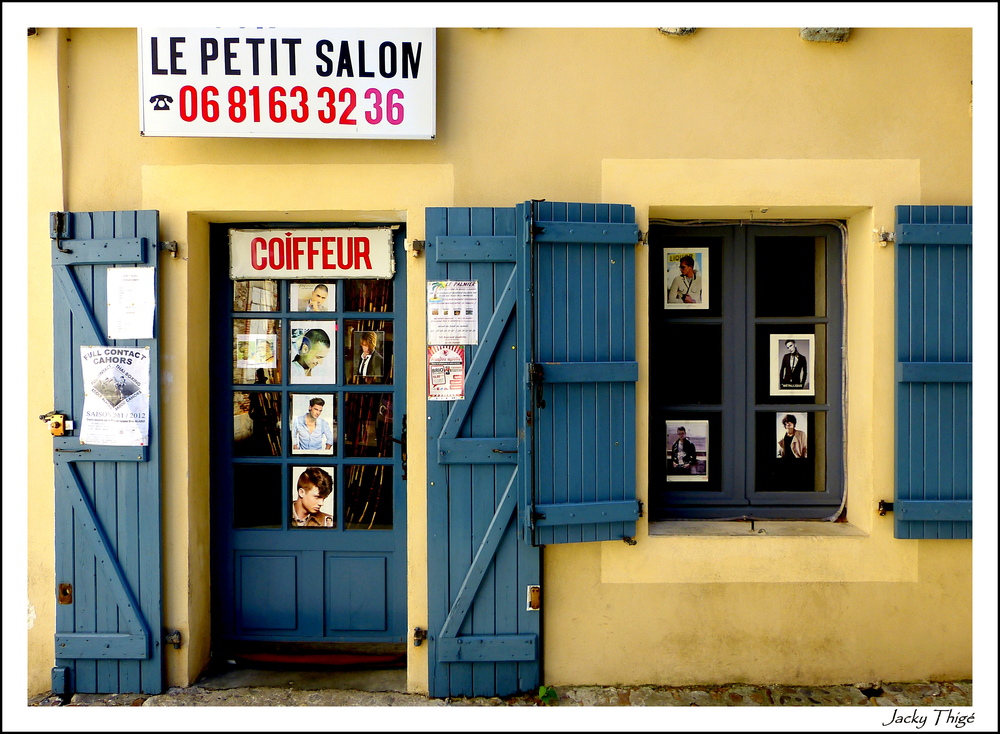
256,423
690,365
368,424
256,496
788,271
368,497
368,295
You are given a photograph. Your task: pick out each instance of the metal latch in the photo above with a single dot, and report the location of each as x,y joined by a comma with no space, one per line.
419,635
56,421
536,375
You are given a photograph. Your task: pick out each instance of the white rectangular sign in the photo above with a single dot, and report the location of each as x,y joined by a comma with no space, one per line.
287,82
322,254
453,312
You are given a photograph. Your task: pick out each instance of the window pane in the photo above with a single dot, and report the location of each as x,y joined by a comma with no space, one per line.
256,496
314,501
368,498
368,352
791,451
312,421
368,424
791,273
691,365
256,346
367,295
255,295
256,424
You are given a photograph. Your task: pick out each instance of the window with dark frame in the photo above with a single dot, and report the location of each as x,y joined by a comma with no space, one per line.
746,328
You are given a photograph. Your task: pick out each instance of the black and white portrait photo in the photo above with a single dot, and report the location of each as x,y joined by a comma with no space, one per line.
792,364
687,451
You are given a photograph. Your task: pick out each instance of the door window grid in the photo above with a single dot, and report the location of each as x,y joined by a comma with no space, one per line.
737,471
361,455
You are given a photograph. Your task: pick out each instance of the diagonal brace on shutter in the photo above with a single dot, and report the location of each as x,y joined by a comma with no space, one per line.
481,561
135,644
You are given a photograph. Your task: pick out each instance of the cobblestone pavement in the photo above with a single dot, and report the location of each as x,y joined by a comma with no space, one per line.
891,695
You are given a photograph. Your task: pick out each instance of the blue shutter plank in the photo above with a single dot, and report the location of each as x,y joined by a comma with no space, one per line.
933,372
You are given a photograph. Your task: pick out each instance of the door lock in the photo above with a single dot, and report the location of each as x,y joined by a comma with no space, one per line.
56,421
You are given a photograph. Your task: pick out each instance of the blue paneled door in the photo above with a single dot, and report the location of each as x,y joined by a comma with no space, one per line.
308,496
539,448
107,497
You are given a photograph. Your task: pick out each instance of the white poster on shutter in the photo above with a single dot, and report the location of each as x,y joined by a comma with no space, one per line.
116,401
453,312
131,303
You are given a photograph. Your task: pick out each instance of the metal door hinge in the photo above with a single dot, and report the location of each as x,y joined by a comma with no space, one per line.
170,247
415,247
419,635
59,229
884,507
173,638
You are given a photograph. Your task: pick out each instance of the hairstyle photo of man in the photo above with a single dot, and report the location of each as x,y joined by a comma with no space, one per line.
313,487
311,345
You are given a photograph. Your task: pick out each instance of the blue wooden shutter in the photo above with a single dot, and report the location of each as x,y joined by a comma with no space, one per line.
107,498
576,266
933,372
483,640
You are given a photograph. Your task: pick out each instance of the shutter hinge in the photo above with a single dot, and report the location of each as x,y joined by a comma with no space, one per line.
643,239
884,507
415,247
173,638
170,247
419,635
59,229
639,502
884,238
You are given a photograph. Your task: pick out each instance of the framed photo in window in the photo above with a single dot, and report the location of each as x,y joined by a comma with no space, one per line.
792,358
312,297
685,278
313,423
687,451
311,360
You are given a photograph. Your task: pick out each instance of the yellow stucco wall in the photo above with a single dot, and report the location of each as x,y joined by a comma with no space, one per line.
717,124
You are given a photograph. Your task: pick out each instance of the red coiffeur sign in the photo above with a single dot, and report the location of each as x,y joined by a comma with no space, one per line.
321,254
287,82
